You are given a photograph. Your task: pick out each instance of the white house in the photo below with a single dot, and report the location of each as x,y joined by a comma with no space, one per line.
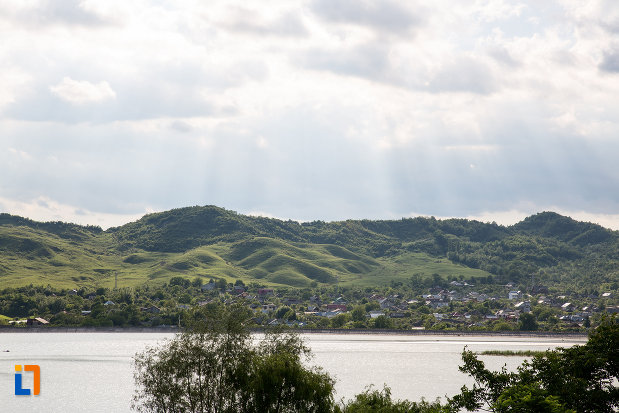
523,306
514,295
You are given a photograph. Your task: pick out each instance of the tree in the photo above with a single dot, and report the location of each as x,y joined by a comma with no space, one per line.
358,313
215,368
339,320
383,322
279,382
380,401
527,322
575,379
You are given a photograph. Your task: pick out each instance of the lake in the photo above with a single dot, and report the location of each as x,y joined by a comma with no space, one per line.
93,371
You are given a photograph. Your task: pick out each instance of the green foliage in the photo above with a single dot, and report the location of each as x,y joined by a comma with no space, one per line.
212,242
376,401
529,397
579,378
383,322
340,320
358,313
215,368
519,353
527,322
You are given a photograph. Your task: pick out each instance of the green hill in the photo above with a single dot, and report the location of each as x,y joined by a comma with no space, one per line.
212,242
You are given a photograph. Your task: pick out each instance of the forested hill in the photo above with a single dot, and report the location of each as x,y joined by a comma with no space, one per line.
211,241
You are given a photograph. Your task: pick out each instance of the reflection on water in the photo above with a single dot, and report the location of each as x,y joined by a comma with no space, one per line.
93,372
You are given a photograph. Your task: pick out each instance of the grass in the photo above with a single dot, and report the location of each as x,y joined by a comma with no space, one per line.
402,267
32,256
520,353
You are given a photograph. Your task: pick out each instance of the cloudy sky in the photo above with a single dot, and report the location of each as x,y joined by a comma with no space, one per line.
305,110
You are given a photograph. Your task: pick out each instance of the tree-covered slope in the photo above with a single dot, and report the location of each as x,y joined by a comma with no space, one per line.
213,242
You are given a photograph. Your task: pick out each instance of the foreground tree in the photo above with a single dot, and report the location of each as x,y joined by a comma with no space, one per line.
576,379
214,367
376,401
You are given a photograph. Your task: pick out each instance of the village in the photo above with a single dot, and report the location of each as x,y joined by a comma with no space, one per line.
456,305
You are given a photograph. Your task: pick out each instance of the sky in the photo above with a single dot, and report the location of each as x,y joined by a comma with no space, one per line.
310,110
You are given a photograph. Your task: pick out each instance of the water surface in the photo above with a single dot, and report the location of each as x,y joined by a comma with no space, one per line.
93,372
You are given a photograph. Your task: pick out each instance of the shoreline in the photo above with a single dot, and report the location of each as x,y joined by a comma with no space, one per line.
175,329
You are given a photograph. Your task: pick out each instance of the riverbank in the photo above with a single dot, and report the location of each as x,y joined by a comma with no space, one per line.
419,332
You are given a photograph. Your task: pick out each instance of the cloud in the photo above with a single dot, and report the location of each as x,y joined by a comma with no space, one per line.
385,16
53,12
312,110
246,21
465,74
610,62
374,61
370,61
82,92
46,209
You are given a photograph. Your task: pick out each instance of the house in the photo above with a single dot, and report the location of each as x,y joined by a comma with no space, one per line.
109,302
37,321
482,297
330,314
514,295
238,289
386,303
268,307
523,306
86,312
333,307
263,292
152,309
183,306
544,300
507,314
376,314
340,300
567,307
72,292
577,318
208,286
434,303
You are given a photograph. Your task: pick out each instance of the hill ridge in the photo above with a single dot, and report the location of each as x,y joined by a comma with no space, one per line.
209,241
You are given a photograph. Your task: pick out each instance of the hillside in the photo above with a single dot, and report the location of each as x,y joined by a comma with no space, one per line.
212,242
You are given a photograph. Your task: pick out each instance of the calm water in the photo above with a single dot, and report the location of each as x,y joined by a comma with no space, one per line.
92,371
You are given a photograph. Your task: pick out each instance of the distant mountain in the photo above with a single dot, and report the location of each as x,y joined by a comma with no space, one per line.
213,242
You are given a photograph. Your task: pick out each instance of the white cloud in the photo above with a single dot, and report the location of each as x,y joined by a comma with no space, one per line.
311,109
81,92
510,217
45,209
12,82
387,16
